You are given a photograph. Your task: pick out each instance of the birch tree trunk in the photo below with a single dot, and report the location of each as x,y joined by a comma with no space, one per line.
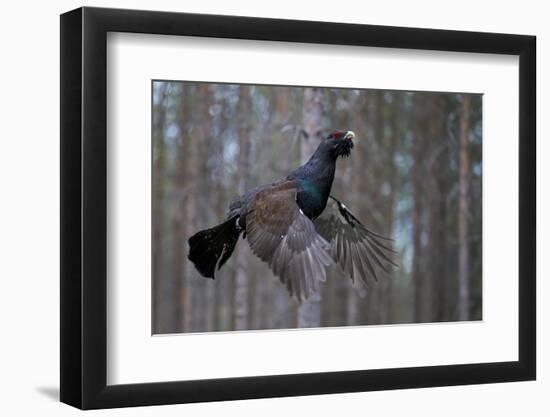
309,312
463,255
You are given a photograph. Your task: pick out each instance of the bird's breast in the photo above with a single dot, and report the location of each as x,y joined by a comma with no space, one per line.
312,198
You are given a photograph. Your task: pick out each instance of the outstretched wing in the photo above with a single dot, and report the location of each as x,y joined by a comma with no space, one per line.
357,250
280,234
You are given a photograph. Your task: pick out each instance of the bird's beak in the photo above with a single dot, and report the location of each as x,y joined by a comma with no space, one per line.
349,135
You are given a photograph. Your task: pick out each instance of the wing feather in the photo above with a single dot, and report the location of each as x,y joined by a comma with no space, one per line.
280,234
357,250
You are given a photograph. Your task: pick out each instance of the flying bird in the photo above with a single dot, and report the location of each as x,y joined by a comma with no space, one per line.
298,228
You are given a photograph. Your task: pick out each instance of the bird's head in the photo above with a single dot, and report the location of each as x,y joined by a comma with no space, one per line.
339,142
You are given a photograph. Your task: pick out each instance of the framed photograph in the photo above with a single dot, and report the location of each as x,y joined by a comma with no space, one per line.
256,208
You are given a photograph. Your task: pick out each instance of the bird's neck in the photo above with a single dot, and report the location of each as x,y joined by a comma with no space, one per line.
320,168
315,179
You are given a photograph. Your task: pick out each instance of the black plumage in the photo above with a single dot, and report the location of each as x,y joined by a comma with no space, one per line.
298,228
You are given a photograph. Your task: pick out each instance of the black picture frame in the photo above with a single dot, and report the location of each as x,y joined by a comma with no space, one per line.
84,207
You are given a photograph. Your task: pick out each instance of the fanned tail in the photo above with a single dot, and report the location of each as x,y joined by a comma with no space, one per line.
209,249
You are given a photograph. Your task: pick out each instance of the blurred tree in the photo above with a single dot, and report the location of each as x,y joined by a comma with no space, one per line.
178,266
394,109
159,173
241,282
463,211
309,312
418,177
435,247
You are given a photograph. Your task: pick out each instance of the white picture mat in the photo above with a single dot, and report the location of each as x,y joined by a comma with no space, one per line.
134,356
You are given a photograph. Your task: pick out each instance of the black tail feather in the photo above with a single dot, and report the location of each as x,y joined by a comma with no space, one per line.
209,249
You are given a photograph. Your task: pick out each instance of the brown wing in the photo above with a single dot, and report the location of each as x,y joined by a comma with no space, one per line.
357,250
281,235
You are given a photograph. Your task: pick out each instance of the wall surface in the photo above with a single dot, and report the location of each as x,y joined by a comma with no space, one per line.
29,175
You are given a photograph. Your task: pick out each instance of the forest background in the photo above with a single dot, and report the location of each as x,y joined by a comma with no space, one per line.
415,175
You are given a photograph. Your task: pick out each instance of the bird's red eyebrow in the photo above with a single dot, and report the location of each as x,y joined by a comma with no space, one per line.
336,135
